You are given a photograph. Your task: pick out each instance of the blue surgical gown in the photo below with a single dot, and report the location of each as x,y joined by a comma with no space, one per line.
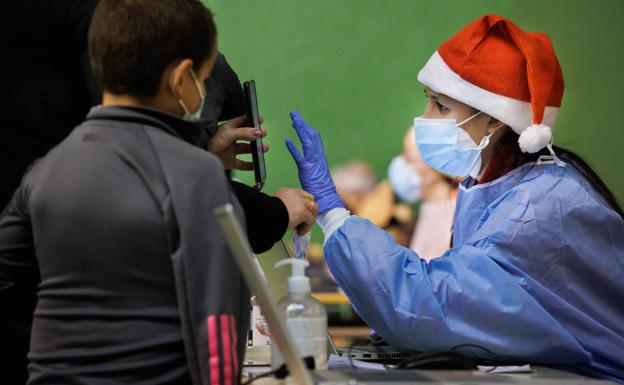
535,274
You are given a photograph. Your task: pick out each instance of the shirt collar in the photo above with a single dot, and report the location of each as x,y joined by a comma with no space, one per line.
191,132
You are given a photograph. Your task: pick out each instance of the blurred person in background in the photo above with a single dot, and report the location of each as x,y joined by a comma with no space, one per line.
354,180
432,192
374,200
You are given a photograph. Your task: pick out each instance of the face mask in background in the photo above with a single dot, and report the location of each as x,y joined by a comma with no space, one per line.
446,147
193,116
405,180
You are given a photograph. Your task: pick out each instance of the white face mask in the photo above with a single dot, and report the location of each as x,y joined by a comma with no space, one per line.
193,116
405,180
446,147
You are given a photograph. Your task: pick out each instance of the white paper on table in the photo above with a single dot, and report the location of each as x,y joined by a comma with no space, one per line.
336,362
506,369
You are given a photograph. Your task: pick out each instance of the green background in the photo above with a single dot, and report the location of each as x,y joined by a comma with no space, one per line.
350,67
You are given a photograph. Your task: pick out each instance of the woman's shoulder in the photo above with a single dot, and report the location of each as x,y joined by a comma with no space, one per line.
563,188
549,202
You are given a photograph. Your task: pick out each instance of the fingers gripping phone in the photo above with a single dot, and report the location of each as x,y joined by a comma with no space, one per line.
257,150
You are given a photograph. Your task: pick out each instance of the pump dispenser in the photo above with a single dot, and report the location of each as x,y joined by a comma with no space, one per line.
297,282
305,316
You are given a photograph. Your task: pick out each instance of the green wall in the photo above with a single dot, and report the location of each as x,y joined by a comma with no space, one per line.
350,66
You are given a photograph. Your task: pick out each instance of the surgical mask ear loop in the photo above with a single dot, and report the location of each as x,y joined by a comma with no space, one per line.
484,142
552,157
468,119
197,85
486,139
199,89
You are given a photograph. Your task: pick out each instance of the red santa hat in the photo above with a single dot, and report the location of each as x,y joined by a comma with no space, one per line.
509,74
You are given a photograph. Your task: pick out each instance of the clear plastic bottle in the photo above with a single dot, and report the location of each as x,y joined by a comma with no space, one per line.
305,317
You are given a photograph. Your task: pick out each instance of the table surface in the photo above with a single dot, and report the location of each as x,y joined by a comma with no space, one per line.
539,375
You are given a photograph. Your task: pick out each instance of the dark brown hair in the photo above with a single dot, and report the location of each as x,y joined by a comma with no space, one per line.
131,42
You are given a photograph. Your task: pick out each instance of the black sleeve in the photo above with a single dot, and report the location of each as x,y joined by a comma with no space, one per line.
19,277
234,103
266,216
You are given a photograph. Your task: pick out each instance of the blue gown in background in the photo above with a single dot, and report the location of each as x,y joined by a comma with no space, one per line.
535,274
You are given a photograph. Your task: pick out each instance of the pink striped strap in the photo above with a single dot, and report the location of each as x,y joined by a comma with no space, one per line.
222,351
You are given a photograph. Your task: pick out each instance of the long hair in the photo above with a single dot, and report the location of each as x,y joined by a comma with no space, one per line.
508,156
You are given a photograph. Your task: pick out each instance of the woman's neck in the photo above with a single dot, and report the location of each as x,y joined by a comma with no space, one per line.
436,191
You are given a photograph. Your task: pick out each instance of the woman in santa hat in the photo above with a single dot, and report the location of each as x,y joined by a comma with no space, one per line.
536,261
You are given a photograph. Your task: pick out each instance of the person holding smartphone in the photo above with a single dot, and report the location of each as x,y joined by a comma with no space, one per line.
268,217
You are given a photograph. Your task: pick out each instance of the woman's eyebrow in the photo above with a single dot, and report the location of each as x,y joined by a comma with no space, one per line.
443,98
430,94
440,98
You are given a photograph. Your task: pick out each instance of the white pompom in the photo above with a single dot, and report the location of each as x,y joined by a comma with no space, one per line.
534,138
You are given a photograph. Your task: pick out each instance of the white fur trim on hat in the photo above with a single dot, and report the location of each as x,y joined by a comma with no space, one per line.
517,114
534,138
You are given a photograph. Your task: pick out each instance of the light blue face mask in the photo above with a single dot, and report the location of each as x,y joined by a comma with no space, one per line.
193,116
405,180
446,147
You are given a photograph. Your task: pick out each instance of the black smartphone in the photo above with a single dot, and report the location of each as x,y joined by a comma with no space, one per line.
257,151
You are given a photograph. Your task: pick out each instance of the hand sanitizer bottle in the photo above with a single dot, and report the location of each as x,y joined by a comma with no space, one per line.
304,316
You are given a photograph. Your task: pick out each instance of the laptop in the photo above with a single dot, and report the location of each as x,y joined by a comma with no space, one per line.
256,280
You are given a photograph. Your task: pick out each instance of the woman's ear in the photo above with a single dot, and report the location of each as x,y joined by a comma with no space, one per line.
494,125
177,78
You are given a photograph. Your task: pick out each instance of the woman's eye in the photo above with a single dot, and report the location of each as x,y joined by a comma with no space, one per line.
440,107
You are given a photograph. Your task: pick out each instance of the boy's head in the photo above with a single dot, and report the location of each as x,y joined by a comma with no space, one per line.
156,52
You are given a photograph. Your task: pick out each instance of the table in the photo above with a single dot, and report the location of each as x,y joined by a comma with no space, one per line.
539,376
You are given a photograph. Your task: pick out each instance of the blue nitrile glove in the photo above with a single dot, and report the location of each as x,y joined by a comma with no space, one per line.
314,173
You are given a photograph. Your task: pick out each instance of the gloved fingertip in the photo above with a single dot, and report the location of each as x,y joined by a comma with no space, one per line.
296,124
297,119
292,148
